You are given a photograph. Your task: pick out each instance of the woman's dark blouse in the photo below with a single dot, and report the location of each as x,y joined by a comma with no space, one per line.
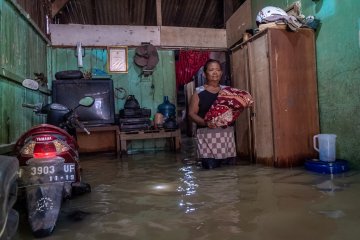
206,99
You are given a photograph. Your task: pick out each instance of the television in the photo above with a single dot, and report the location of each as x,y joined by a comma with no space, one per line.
69,92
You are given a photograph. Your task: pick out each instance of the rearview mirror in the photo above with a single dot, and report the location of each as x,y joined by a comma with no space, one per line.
86,101
30,84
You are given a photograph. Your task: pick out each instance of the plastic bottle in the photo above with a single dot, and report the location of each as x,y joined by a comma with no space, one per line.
167,108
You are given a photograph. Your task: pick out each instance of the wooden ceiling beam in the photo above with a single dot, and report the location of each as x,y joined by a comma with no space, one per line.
68,35
56,6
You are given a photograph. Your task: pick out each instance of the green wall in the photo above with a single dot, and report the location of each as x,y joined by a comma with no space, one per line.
22,52
149,91
338,65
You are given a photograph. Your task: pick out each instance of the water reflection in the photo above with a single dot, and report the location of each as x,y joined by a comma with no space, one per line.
188,187
328,186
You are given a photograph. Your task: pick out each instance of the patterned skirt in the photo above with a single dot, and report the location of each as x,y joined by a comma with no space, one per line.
218,143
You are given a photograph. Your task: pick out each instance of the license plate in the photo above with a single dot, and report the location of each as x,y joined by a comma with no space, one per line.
47,173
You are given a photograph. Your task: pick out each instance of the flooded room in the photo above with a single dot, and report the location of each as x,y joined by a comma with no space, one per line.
185,120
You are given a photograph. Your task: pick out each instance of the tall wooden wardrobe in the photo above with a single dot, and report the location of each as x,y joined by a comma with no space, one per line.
278,68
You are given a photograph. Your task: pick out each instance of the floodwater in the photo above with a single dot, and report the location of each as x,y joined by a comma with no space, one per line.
160,196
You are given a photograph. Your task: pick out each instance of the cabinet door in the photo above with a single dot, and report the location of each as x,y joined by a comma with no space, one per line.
262,121
294,95
240,75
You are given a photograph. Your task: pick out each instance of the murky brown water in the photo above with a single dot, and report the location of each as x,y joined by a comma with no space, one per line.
157,196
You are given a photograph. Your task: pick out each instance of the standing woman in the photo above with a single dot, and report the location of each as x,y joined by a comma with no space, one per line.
214,145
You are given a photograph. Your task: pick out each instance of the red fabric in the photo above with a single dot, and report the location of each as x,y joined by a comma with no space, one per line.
188,64
227,107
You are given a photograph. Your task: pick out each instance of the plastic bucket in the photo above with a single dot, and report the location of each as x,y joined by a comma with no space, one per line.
325,144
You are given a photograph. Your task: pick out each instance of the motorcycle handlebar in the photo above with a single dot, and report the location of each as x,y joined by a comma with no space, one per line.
36,107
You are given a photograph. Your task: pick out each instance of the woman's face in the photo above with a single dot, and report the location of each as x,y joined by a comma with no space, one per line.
213,72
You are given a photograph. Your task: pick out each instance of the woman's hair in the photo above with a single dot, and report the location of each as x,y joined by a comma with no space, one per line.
206,65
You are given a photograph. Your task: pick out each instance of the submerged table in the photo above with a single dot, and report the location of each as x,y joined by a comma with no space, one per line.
174,135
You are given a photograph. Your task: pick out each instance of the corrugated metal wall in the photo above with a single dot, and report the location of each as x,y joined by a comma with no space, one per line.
23,52
149,91
181,13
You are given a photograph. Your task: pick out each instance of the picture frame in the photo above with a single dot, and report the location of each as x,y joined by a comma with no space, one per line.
118,59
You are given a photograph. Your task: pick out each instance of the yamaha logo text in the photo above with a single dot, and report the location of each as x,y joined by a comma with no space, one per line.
43,139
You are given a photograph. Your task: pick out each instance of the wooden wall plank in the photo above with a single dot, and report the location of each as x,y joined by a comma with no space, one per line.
103,35
240,79
193,37
100,35
22,52
260,85
238,23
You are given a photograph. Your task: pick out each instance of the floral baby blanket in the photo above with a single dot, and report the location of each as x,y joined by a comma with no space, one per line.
227,107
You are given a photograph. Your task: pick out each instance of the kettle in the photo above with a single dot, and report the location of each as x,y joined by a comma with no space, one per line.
131,103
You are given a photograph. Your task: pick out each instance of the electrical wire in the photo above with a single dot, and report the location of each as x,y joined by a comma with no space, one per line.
120,91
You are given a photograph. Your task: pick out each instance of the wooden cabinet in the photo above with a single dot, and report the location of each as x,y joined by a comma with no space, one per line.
100,139
278,68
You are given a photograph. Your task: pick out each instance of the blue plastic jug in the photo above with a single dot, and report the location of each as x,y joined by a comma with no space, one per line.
167,108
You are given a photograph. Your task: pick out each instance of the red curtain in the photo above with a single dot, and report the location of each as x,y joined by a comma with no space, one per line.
190,61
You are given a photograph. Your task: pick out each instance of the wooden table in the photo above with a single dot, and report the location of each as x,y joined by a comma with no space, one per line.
173,135
101,139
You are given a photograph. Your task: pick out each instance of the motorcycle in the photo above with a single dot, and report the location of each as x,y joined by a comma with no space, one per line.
49,162
9,217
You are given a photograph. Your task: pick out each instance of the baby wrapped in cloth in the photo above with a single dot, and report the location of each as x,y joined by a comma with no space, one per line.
218,142
227,107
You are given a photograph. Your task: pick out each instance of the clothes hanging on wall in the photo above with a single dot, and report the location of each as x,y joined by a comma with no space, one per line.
189,62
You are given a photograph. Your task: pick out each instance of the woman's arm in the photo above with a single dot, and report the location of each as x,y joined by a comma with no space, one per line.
194,109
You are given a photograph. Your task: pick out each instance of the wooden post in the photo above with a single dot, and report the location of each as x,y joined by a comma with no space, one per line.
158,13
